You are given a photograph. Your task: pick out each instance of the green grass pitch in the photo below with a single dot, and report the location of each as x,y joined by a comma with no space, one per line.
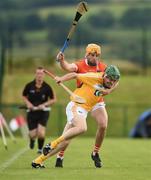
123,159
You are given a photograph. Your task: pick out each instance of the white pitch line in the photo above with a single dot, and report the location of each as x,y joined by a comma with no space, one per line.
11,160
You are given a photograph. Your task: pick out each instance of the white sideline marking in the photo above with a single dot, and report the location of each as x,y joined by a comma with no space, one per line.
11,160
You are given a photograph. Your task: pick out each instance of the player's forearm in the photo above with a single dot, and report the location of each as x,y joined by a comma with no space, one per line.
108,91
64,64
114,87
67,66
27,102
68,77
50,101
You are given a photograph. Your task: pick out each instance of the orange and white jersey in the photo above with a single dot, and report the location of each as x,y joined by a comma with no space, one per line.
91,83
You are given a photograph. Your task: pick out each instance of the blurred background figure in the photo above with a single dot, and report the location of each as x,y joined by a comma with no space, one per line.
38,95
142,128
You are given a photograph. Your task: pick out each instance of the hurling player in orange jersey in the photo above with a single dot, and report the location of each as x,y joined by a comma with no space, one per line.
90,63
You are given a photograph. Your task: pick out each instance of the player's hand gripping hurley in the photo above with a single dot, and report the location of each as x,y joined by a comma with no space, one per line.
76,98
81,9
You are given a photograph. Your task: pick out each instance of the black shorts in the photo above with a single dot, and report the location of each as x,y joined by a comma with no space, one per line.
35,118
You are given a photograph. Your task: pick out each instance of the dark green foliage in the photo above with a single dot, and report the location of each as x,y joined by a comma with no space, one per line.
103,19
33,22
58,27
86,35
7,5
12,29
135,17
57,22
122,36
132,47
22,4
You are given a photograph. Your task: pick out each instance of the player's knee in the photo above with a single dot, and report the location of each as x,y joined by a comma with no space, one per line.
103,127
32,135
82,130
102,123
41,134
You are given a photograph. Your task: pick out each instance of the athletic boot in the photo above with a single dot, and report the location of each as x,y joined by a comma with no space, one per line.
97,160
59,163
36,166
47,149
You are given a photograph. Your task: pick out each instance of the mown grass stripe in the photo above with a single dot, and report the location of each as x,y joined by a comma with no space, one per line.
7,163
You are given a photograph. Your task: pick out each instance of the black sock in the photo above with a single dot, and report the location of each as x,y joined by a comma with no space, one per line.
40,143
32,142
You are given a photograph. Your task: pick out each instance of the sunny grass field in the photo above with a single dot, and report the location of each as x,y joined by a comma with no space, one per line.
124,159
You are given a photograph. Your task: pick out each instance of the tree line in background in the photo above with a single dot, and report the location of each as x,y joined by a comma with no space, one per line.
21,4
14,26
18,4
132,18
